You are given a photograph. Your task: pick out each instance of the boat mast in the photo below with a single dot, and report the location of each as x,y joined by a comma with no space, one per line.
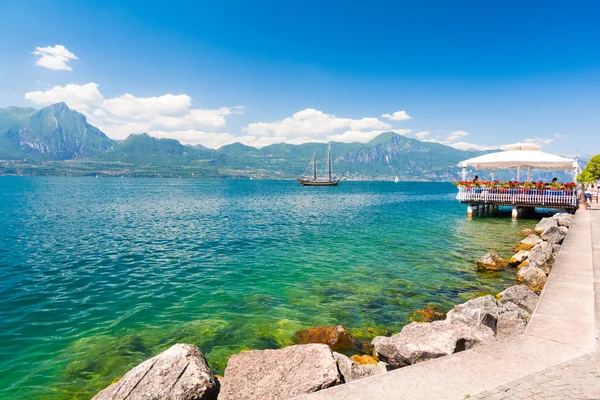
315,165
329,160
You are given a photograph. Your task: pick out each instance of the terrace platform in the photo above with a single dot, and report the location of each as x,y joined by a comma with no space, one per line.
558,199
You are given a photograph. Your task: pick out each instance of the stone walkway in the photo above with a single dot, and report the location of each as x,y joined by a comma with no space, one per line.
575,379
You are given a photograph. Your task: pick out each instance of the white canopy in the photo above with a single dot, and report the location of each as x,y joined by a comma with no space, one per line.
519,155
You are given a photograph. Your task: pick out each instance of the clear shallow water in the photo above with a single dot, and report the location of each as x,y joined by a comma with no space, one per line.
97,275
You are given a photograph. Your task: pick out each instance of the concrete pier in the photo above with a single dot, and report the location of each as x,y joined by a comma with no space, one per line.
562,330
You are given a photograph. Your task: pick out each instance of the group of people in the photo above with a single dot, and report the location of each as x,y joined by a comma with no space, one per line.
476,179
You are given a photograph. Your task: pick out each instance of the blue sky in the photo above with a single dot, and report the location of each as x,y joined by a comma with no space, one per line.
467,73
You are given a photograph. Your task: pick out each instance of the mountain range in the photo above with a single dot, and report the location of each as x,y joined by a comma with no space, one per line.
59,141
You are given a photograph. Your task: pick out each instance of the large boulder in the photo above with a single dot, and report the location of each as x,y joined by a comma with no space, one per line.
336,337
543,255
528,243
532,276
179,373
545,223
422,341
511,324
563,219
478,311
352,371
279,374
518,258
520,295
491,261
555,234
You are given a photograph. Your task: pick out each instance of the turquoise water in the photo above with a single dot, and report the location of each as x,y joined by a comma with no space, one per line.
97,275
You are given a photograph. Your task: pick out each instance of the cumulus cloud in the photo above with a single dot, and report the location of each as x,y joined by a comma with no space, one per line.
397,116
471,146
312,122
456,135
539,141
121,116
54,57
422,134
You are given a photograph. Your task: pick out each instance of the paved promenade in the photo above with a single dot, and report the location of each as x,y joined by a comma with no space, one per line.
576,379
555,358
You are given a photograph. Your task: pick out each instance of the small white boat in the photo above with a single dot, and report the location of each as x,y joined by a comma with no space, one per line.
396,180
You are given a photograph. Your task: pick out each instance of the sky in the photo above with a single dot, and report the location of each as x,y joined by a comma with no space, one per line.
470,74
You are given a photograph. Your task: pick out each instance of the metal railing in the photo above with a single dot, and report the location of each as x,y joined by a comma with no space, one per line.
533,197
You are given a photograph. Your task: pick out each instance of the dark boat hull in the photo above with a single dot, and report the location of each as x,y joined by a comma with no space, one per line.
318,183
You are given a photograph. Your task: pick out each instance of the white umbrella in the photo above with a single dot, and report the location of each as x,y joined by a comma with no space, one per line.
519,155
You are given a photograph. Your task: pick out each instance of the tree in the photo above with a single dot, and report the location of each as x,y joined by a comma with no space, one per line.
593,167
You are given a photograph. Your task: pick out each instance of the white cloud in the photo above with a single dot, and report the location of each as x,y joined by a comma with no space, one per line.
471,146
397,116
314,123
121,116
54,57
422,134
539,141
456,135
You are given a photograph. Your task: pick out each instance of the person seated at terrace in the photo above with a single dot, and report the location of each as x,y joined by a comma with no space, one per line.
476,179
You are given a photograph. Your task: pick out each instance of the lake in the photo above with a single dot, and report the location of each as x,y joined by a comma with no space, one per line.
97,275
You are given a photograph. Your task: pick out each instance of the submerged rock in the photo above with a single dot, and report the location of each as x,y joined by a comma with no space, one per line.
528,243
518,258
532,276
491,261
431,312
526,232
422,341
520,295
352,371
279,374
555,234
336,337
181,373
479,311
546,223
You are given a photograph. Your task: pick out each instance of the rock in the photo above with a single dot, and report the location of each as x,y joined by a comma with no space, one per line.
510,324
542,256
518,258
422,341
352,371
491,261
481,310
546,223
532,276
563,219
520,295
527,232
336,337
431,312
554,234
181,373
364,359
531,240
279,374
523,264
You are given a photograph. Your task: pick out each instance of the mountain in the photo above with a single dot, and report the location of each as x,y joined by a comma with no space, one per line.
53,133
58,140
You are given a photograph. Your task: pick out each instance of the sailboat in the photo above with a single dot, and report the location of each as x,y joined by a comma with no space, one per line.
396,180
316,181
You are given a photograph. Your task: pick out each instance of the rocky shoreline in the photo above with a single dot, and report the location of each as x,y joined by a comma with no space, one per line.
316,362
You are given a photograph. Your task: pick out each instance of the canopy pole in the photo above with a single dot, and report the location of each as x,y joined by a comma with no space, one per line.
518,173
528,174
493,171
464,174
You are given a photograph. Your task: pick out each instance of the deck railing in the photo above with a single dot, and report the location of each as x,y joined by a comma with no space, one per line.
521,197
